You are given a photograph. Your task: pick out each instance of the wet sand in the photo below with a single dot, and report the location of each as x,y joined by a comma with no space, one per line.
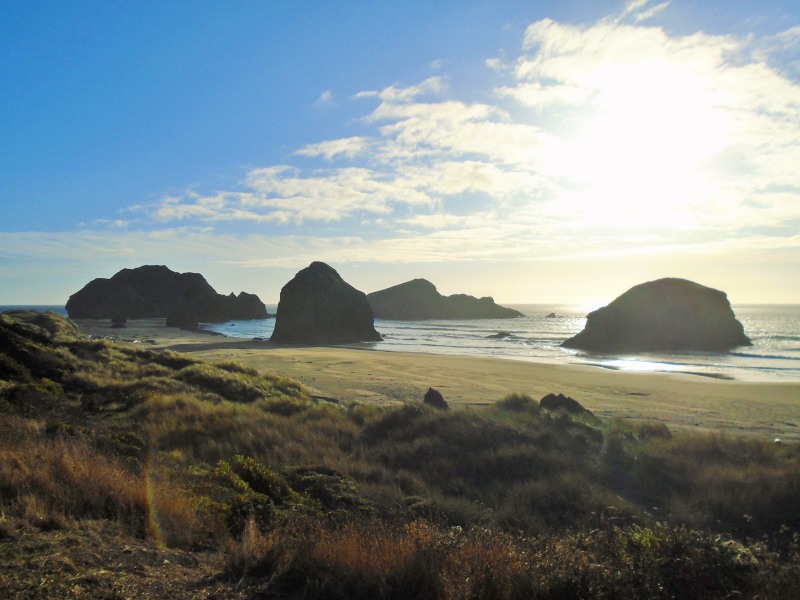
766,410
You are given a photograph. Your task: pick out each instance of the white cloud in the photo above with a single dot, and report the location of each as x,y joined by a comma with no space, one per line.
433,86
496,64
595,137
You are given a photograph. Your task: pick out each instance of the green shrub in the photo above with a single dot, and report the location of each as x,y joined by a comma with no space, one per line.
518,403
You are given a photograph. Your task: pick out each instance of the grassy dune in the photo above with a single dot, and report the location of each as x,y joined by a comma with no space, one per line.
130,472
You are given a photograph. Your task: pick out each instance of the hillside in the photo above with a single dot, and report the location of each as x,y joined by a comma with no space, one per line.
129,472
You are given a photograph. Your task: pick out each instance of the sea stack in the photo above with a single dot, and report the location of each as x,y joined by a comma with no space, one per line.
418,299
154,291
318,307
664,315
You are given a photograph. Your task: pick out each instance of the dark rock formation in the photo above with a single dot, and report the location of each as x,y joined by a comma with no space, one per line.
244,306
154,292
663,315
562,402
500,335
319,307
418,299
435,399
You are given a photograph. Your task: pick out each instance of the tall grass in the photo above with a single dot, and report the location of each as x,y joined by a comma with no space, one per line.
327,501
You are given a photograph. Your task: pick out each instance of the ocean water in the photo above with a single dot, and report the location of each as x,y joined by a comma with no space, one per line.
774,330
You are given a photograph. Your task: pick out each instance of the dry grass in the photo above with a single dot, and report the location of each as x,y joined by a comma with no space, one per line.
370,559
51,481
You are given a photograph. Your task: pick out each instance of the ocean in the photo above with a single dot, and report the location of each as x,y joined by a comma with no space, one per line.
774,330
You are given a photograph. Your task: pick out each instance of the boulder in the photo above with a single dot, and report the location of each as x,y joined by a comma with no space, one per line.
435,399
319,307
153,291
663,315
418,300
564,403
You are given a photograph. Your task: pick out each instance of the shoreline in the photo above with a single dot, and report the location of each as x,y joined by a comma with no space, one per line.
767,410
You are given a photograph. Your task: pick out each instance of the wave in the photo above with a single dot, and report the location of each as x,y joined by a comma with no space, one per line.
764,356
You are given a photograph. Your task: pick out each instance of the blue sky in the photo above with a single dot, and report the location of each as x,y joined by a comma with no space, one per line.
532,151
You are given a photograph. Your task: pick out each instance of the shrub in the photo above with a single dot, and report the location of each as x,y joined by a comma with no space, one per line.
518,403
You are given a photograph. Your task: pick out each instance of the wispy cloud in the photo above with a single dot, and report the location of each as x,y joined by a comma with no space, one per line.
325,99
342,148
642,10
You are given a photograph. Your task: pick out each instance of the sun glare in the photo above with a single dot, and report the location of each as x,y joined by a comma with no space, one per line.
639,158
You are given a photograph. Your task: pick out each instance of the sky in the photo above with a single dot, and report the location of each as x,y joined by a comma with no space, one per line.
536,152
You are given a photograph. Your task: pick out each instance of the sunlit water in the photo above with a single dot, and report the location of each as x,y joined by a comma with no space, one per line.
774,330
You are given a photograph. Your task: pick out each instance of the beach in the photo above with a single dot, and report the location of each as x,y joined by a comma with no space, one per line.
767,410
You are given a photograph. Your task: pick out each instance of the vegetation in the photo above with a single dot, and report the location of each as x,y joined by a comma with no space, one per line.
130,472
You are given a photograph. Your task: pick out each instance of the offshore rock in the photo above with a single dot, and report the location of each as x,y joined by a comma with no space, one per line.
153,291
319,307
664,315
418,299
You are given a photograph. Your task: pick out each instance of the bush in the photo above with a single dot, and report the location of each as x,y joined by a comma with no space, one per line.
518,403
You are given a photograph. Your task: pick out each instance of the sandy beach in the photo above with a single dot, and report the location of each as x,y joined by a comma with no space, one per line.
766,410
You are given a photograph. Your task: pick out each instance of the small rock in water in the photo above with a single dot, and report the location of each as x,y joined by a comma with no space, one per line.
500,335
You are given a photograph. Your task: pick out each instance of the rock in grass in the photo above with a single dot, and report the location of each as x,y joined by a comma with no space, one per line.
663,315
319,307
435,399
561,402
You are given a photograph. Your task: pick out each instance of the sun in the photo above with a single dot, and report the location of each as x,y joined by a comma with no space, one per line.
641,153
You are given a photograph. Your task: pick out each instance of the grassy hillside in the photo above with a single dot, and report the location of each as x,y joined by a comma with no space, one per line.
126,472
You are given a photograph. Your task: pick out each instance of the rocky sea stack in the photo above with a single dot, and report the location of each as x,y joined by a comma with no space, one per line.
154,291
418,299
319,307
663,315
